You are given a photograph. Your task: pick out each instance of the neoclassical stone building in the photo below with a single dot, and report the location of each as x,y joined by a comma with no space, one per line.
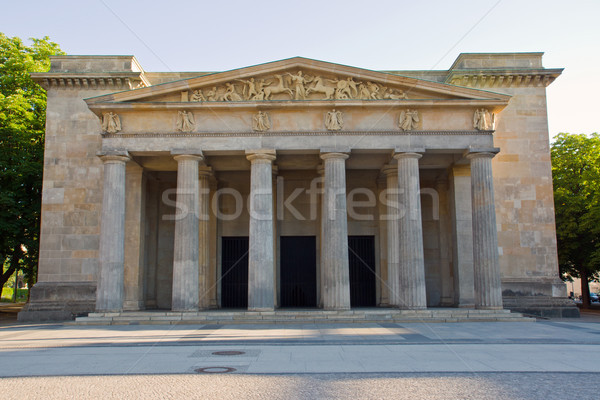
297,184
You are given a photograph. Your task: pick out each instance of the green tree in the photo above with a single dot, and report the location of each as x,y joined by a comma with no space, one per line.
22,122
576,178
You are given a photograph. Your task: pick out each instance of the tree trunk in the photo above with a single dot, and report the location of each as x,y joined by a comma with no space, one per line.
585,289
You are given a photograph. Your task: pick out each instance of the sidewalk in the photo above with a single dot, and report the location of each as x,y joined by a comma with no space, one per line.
65,350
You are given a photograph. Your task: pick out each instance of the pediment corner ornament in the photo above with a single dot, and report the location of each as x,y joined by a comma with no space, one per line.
185,121
409,120
261,122
111,123
483,120
334,120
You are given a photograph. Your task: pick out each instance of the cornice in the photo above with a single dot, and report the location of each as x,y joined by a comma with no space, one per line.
297,133
91,80
491,78
100,108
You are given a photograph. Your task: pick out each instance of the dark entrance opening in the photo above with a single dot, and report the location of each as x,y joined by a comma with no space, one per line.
234,272
298,271
361,255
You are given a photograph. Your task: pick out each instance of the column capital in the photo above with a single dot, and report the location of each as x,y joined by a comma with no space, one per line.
205,171
261,155
489,152
186,157
114,157
187,152
389,169
400,155
334,155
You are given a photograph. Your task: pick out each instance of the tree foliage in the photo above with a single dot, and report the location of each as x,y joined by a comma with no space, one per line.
576,178
22,122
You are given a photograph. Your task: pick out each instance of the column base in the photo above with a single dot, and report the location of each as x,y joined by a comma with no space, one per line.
59,301
542,306
259,309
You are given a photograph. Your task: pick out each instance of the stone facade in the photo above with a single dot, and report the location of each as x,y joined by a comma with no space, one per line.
435,183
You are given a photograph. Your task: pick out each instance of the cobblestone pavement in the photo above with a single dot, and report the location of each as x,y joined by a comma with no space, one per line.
530,360
480,386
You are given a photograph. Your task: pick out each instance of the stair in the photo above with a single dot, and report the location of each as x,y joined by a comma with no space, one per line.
220,317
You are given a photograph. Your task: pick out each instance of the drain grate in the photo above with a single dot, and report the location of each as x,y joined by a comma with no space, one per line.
228,353
215,370
213,354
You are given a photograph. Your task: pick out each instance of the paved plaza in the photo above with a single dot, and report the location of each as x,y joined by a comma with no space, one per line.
544,359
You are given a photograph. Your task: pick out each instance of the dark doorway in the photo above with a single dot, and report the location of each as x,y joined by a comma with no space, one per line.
298,271
361,255
234,272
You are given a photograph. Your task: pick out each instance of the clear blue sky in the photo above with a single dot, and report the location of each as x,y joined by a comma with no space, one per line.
182,35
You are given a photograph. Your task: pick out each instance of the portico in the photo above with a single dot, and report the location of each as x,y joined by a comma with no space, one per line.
289,203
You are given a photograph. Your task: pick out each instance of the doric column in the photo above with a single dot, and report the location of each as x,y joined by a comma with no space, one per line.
462,235
186,251
393,243
213,277
321,208
261,288
412,293
488,289
109,292
204,175
446,283
334,256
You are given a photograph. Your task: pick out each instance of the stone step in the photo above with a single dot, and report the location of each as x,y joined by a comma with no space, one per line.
301,316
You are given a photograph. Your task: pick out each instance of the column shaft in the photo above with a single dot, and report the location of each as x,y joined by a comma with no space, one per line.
488,289
334,264
186,251
412,293
203,238
393,230
261,288
109,292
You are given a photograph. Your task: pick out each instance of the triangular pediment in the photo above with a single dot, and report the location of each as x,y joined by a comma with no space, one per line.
301,79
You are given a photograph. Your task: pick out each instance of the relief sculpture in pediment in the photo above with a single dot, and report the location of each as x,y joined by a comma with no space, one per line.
297,86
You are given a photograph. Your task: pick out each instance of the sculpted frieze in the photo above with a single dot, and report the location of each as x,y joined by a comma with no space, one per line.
185,121
111,123
296,86
334,120
261,122
408,120
483,120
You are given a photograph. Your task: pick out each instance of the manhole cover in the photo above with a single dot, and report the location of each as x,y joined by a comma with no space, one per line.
214,370
228,353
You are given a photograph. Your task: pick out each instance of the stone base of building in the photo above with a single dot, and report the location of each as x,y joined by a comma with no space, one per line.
372,315
542,306
59,301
